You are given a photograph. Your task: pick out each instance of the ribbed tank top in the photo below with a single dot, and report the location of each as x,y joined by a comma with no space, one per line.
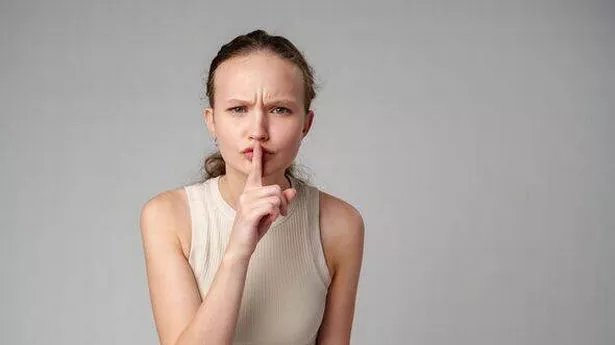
287,279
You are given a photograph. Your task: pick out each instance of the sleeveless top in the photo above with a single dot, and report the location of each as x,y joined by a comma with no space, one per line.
287,279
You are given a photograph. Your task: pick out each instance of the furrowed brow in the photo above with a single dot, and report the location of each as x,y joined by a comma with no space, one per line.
282,101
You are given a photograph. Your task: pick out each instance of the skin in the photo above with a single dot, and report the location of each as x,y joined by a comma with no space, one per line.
267,108
258,97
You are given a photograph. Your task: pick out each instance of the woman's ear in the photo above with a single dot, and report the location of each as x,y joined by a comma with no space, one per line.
208,116
309,119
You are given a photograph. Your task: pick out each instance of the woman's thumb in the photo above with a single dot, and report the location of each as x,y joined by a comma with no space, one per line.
290,194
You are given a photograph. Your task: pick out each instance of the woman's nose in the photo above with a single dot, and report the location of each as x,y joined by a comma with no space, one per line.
258,128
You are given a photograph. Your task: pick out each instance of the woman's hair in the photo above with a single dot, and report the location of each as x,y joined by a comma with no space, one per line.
256,41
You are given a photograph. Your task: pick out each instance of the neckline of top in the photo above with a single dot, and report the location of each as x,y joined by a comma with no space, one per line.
230,212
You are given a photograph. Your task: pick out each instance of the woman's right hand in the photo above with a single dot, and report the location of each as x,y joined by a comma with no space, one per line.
257,208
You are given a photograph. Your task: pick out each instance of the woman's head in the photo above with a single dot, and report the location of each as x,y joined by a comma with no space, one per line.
259,88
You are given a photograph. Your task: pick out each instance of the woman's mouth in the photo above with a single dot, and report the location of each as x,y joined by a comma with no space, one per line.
250,154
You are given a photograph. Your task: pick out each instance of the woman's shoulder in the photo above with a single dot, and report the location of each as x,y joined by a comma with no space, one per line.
167,215
334,206
342,228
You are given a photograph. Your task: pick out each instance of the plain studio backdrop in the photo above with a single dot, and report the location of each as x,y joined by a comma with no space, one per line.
476,138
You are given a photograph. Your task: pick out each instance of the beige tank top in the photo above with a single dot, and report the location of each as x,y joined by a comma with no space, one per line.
287,279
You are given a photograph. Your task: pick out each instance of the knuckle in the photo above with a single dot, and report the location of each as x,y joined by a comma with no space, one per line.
276,188
254,214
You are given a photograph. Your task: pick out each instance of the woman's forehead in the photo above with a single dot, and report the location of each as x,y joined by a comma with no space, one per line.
258,73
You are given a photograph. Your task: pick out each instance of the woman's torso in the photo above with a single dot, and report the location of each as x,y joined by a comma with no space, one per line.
288,276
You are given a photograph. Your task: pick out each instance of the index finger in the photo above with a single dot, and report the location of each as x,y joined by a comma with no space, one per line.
255,177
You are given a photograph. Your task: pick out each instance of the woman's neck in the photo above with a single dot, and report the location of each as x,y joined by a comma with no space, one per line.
231,185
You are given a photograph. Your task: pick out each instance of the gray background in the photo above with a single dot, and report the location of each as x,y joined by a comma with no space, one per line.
476,139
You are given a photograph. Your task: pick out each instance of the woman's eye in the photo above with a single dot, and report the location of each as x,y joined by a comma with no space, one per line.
277,110
238,109
283,110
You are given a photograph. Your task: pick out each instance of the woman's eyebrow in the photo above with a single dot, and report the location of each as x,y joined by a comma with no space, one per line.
236,100
287,101
284,101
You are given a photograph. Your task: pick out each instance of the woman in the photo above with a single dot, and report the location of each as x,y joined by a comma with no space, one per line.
253,254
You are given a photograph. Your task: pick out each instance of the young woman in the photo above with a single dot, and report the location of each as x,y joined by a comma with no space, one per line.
253,254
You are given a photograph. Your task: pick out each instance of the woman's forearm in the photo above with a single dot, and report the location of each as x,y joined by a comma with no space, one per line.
215,321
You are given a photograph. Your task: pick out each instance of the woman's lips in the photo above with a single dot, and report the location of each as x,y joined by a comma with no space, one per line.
249,154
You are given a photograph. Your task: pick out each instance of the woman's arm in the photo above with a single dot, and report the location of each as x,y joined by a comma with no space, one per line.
181,317
342,230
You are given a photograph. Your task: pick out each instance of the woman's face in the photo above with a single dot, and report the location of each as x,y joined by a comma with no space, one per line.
258,97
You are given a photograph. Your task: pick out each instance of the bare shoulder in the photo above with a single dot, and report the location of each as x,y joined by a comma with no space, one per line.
173,290
342,230
167,215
